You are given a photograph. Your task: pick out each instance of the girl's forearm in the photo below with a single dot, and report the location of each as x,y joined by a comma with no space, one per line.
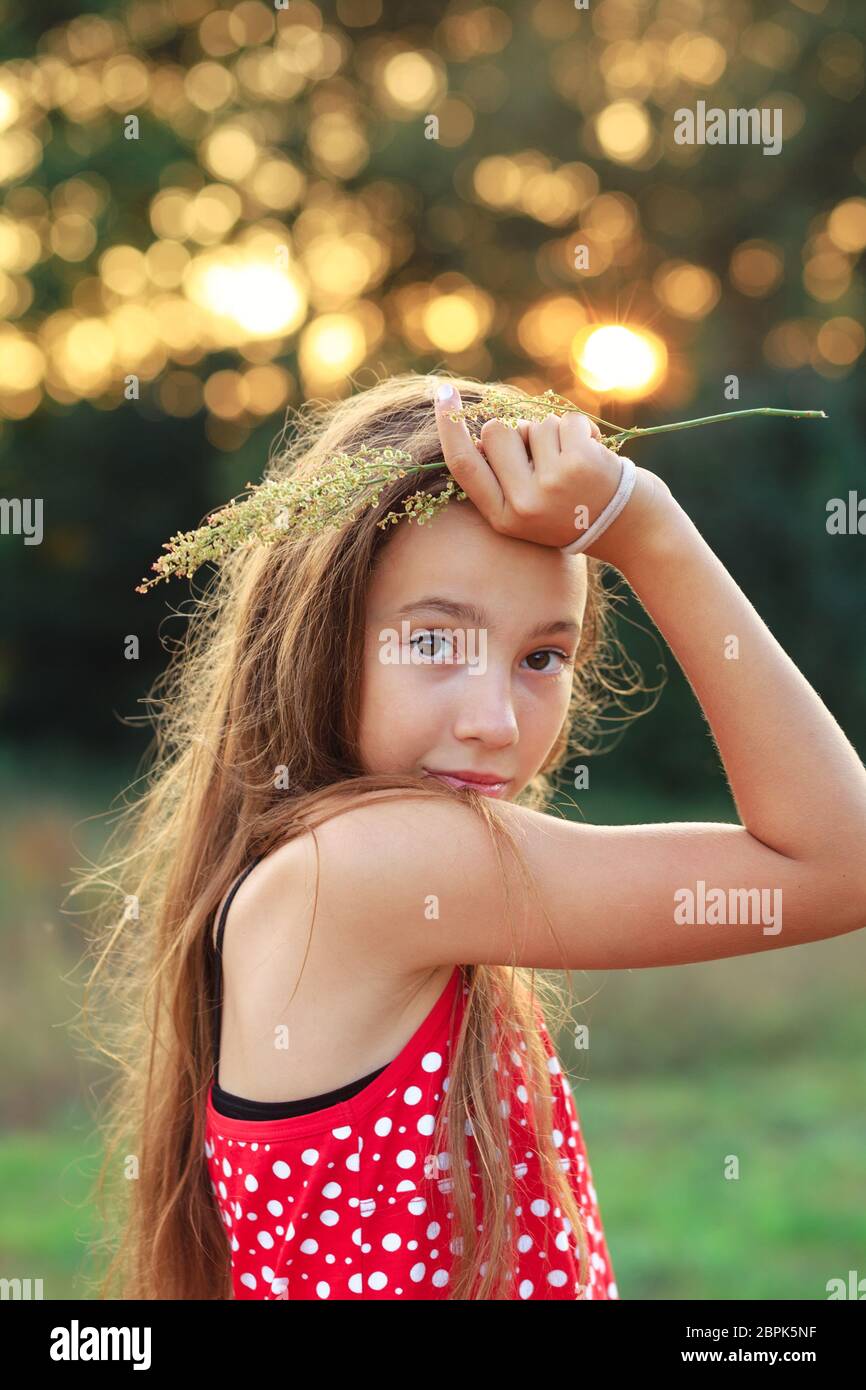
798,784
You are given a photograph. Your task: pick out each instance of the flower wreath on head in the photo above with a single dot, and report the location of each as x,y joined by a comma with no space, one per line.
312,502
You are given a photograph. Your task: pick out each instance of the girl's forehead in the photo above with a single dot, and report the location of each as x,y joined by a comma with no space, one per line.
457,553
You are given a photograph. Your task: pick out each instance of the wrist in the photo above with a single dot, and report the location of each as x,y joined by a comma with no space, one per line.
644,527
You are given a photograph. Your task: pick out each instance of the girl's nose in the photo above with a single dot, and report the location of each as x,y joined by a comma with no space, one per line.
485,709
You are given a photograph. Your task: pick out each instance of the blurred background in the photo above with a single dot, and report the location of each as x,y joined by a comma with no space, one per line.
212,212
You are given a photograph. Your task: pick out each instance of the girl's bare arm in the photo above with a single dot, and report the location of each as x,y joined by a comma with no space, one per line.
418,883
798,784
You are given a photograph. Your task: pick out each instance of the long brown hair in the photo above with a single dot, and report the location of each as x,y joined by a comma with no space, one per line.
252,690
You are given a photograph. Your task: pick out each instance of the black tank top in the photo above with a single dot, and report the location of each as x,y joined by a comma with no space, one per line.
238,1107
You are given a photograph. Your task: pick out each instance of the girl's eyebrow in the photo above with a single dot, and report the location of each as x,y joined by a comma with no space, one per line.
473,616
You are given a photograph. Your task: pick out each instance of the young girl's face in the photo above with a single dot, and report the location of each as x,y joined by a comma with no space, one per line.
469,650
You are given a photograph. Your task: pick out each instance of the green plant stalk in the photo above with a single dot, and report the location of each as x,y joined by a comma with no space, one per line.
716,419
638,432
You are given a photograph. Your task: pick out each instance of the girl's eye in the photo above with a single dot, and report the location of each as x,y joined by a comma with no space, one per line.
546,652
435,645
428,644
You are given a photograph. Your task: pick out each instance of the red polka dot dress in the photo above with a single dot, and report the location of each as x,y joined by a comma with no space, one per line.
350,1202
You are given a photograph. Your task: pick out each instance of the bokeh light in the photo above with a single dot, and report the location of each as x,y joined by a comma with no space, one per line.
625,363
281,157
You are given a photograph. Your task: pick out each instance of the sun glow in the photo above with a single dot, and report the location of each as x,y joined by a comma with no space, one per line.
619,361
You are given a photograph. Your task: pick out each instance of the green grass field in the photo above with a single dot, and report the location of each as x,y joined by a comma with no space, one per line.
757,1059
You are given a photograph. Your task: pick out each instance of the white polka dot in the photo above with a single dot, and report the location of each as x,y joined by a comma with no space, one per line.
378,1215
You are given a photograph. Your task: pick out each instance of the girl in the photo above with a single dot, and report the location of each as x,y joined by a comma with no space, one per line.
343,806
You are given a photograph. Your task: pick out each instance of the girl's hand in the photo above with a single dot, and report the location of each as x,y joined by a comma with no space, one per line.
533,482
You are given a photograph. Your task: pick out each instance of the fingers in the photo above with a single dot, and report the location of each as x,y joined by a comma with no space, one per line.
502,471
545,446
523,427
575,429
582,438
465,462
508,456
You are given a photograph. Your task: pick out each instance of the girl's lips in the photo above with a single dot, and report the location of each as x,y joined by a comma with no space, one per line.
486,788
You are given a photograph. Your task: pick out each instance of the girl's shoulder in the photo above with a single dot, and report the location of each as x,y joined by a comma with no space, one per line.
347,1010
253,887
289,865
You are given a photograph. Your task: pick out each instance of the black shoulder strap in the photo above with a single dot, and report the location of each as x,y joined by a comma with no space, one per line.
218,971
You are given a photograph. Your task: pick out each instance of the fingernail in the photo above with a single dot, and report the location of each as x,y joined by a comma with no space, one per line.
444,392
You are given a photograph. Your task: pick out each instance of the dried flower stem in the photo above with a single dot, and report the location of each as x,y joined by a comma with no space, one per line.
312,502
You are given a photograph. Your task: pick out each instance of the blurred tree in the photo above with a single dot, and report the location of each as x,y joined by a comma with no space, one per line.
212,211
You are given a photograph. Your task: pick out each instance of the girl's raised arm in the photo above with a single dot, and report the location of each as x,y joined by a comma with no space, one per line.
422,882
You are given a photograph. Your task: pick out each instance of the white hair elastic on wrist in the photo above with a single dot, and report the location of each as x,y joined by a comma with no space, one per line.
627,479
